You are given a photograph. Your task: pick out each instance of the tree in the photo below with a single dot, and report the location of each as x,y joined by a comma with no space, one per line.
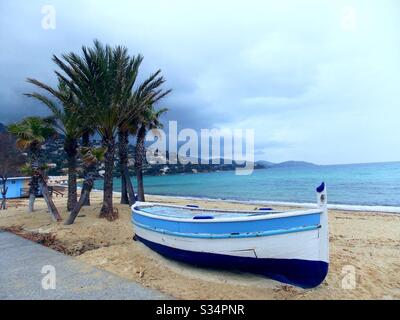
11,159
85,142
66,120
31,133
91,158
131,127
150,120
127,191
103,79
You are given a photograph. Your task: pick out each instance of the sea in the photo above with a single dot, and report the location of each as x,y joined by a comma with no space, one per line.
372,186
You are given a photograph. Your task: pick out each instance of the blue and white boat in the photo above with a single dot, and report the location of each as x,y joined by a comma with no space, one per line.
288,246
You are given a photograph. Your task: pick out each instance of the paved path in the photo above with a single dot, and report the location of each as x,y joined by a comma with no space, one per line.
21,263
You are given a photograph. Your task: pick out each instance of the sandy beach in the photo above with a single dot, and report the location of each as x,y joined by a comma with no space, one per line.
366,242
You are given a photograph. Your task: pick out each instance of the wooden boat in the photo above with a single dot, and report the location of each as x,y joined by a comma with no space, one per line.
288,246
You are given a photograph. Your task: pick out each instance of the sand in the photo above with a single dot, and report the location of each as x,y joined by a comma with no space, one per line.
366,243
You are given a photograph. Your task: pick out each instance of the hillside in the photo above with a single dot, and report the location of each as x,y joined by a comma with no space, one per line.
292,164
53,152
265,164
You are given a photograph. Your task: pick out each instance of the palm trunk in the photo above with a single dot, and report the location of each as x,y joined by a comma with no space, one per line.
124,191
129,187
70,147
139,156
123,159
125,176
49,201
107,210
86,189
32,198
33,192
86,143
139,177
4,189
34,184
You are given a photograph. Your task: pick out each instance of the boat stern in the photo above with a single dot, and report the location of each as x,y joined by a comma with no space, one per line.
322,202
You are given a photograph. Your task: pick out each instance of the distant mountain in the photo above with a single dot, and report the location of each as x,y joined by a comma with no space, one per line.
2,128
286,164
265,164
291,164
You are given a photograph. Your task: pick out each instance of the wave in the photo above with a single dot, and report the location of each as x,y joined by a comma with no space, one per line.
341,207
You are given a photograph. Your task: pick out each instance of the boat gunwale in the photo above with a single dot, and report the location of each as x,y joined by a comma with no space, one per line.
267,216
221,236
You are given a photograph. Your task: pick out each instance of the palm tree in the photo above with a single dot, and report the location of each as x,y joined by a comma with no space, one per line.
91,158
67,121
127,191
85,142
150,120
31,133
103,79
128,195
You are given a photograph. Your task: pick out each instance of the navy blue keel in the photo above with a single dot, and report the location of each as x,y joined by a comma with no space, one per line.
301,273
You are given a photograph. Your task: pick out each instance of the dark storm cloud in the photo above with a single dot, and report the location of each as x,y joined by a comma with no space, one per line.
312,86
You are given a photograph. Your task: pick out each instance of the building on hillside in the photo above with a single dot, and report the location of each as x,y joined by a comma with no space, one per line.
57,180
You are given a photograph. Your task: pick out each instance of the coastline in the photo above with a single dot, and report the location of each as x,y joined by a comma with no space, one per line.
358,187
337,207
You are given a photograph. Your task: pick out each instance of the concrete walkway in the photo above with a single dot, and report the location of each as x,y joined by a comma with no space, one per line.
21,266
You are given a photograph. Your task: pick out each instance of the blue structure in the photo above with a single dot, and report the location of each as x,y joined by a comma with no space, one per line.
17,187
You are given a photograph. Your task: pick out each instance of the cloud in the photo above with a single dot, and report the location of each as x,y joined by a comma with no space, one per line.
310,86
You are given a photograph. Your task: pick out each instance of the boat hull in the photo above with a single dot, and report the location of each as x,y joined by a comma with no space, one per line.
297,272
287,246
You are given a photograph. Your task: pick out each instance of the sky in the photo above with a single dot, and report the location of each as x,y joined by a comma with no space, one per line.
316,80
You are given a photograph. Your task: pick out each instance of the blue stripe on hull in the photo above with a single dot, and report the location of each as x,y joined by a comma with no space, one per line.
301,273
216,227
229,235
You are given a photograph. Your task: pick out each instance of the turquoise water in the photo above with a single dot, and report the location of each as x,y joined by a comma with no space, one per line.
356,184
